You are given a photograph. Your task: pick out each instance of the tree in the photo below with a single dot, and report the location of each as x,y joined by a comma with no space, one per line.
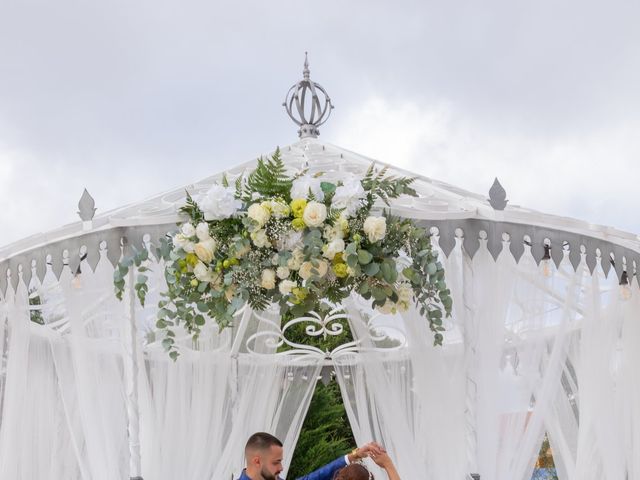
325,433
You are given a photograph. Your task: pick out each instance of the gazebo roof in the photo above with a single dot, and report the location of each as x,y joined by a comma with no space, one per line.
439,204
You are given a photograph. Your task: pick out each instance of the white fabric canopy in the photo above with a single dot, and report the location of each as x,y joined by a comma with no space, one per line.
530,348
482,403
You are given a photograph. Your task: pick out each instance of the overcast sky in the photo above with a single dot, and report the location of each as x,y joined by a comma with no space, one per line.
130,98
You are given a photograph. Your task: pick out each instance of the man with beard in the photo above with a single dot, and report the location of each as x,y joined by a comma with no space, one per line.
263,454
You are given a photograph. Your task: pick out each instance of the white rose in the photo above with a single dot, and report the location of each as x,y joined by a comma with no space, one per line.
282,272
202,231
205,250
286,286
202,272
180,241
314,214
306,269
338,230
301,186
349,195
289,241
279,209
260,239
333,247
268,280
375,228
219,203
259,214
188,230
297,256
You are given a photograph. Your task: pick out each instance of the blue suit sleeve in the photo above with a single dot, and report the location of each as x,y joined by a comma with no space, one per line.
327,472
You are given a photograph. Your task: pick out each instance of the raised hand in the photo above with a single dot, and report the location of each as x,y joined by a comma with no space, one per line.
384,461
367,450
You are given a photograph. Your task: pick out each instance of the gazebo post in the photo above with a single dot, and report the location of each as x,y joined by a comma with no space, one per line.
130,359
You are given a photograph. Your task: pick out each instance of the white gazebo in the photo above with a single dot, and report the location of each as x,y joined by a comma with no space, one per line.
544,337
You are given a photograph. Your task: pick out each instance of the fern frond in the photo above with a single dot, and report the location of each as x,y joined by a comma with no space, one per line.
192,209
333,214
270,178
239,185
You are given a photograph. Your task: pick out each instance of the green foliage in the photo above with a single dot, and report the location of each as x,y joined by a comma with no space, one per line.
378,185
325,434
303,255
192,210
269,178
134,260
35,314
545,456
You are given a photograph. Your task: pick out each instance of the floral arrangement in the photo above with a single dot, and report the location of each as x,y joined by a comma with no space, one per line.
297,241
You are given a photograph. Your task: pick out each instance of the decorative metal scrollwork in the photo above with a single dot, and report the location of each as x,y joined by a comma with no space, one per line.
273,337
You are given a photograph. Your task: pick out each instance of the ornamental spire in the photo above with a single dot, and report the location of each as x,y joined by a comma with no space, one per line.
308,104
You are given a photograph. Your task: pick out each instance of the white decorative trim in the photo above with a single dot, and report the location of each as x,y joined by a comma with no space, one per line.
275,336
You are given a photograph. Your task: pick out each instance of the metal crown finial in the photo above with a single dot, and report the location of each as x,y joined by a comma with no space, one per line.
305,106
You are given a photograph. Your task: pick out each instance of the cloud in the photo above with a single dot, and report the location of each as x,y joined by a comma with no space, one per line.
593,177
147,96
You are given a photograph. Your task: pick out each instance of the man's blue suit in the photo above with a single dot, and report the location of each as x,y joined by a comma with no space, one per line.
323,473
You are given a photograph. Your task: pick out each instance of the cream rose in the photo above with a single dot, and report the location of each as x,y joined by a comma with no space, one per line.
286,286
279,209
268,279
315,214
259,214
297,256
180,241
389,308
202,272
260,239
205,250
333,247
405,296
375,228
282,272
307,269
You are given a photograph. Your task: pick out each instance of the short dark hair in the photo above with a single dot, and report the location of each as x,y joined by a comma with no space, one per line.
261,441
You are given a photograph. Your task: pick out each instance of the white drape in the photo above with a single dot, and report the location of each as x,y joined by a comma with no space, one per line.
594,425
64,403
494,384
524,352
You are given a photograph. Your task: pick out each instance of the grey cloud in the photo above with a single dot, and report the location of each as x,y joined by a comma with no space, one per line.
99,91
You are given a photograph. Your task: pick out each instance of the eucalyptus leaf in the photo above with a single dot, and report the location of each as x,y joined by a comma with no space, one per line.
364,257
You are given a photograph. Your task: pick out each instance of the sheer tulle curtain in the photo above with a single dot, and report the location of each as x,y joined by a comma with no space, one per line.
629,380
271,392
63,407
185,412
410,400
34,439
507,341
595,421
513,320
89,363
